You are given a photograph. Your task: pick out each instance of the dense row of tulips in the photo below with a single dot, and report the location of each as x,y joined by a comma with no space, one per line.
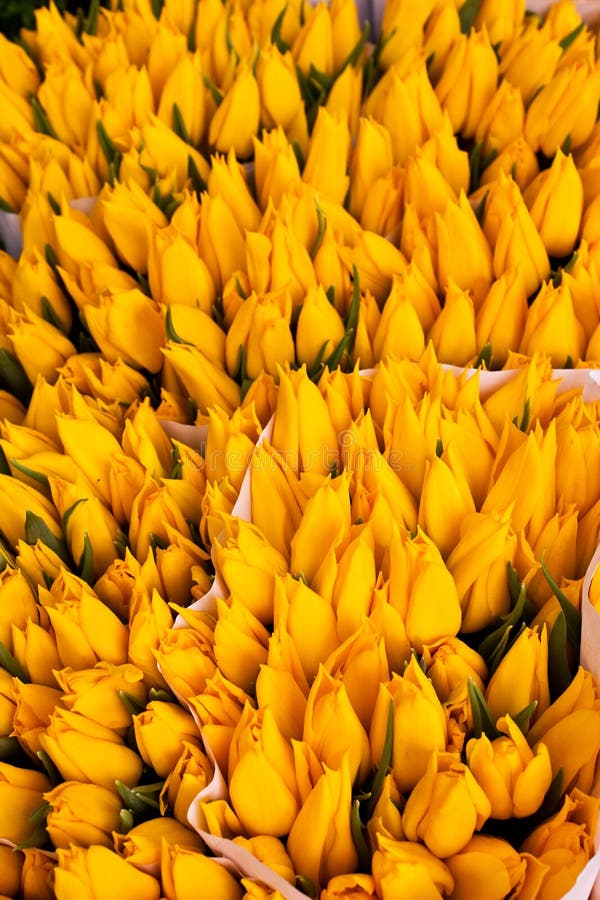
272,626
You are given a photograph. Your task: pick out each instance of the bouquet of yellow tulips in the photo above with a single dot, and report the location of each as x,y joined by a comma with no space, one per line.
292,603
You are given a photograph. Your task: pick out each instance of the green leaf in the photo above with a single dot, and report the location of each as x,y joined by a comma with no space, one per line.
162,695
467,14
239,288
515,584
475,166
51,257
170,330
354,308
483,722
214,91
521,719
439,448
198,182
559,673
49,767
157,6
314,372
106,144
176,467
140,805
91,24
384,762
69,512
49,315
276,37
518,613
552,798
480,211
566,145
10,664
31,473
37,530
39,815
126,821
6,207
306,886
9,748
40,119
334,359
37,839
572,615
179,126
241,373
330,294
86,561
355,54
568,39
13,377
321,226
358,837
485,356
130,703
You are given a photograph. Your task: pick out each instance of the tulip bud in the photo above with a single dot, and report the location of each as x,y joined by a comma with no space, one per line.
21,793
96,693
325,167
143,844
314,45
236,120
518,160
445,807
79,870
551,324
469,81
184,88
405,869
487,861
555,200
371,159
34,704
67,101
300,612
414,699
261,327
275,167
571,99
320,841
528,655
82,814
190,875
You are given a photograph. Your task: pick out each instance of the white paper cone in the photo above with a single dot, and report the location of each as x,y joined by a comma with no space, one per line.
11,234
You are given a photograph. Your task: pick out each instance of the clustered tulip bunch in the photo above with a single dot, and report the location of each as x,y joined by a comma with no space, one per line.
325,641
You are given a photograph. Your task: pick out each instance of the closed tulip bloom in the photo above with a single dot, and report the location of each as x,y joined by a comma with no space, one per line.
80,870
240,643
19,498
333,729
19,114
457,318
218,709
236,120
261,327
564,843
205,383
468,82
177,274
405,869
17,603
82,814
278,689
442,481
159,731
275,167
21,791
88,752
192,772
445,807
131,219
325,167
441,30
314,42
419,724
577,760
33,706
308,620
503,120
262,783
248,565
329,506
40,347
164,152
142,845
95,692
402,26
529,61
184,86
551,324
500,319
67,101
190,875
568,101
518,160
529,656
503,22
450,662
18,69
280,97
354,583
320,841
230,443
478,566
273,480
555,200
489,865
371,158
223,258
302,427
318,323
377,261
514,778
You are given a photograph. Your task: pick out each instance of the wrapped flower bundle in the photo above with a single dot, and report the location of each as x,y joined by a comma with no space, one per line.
276,623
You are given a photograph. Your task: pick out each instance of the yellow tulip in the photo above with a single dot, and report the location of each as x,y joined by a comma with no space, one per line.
95,692
320,841
502,22
333,729
371,158
192,772
21,792
261,327
450,663
314,43
514,778
457,227
319,328
325,167
82,814
490,865
280,97
566,105
529,656
500,318
420,726
445,807
223,258
218,709
143,845
468,82
230,443
119,315
34,648
17,68
11,867
240,643
551,324
530,59
33,280
236,120
405,869
88,752
308,620
248,566
275,167
206,383
261,769
190,875
377,260
19,499
402,26
67,101
34,704
17,603
167,155
502,120
132,220
441,481
555,200
80,870
40,347
184,88
564,843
